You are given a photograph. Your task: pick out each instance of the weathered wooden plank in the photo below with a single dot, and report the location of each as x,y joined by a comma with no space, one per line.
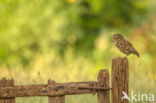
61,99
103,81
7,83
51,83
52,99
45,90
3,101
95,88
2,84
120,74
11,83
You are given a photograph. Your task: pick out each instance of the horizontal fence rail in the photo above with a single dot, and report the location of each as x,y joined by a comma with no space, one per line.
50,90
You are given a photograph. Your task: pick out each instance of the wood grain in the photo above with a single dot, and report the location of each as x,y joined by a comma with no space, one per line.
120,79
103,81
61,99
7,83
58,89
51,83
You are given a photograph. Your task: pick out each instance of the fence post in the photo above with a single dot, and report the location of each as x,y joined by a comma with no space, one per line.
51,99
120,74
59,99
103,81
6,83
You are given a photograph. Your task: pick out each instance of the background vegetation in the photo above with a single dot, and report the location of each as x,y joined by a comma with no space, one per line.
71,40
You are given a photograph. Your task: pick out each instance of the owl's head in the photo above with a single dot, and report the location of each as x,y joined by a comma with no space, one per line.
117,37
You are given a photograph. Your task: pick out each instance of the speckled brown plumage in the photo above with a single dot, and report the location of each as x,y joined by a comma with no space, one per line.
124,46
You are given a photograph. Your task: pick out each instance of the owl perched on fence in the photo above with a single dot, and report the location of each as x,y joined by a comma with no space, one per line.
124,46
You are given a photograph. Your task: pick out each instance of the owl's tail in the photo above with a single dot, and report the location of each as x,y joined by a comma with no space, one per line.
137,54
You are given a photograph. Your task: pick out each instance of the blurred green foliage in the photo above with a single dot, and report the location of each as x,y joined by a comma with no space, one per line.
29,28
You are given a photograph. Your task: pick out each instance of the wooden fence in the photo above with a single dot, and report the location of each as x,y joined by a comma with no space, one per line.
56,91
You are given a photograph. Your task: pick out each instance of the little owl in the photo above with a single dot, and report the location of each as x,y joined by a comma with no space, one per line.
124,46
